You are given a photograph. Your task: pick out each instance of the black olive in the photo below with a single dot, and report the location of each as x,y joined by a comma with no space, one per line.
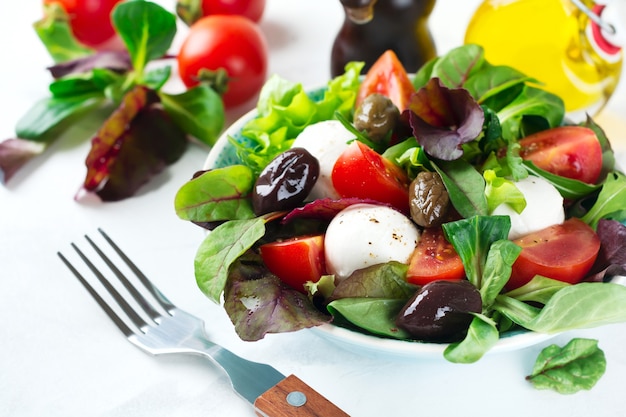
428,199
285,182
439,311
376,117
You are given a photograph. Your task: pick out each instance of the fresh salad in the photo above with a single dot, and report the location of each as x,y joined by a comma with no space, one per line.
452,206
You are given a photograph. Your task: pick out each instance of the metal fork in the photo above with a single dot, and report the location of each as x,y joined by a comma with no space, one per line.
162,328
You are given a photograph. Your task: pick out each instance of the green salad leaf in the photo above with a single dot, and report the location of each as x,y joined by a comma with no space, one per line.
576,366
218,194
285,109
158,28
220,249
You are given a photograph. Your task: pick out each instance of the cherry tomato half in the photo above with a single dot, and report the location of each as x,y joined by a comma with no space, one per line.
296,261
233,43
388,77
565,252
361,172
252,9
434,259
569,151
90,20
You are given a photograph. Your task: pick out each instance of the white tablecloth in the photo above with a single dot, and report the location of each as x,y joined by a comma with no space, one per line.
61,356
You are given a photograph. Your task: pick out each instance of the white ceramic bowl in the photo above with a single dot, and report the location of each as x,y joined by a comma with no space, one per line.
223,154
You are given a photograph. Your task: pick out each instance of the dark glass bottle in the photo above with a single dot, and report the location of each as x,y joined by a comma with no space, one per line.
373,26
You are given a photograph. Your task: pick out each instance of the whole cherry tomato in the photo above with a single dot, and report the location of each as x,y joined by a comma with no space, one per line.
252,9
233,44
90,20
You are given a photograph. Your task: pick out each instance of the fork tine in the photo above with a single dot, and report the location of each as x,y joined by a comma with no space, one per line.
147,307
119,299
156,293
108,310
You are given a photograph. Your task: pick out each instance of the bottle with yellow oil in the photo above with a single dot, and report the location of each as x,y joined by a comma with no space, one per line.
573,47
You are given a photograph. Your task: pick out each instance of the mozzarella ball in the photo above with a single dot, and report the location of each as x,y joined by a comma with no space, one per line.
366,234
544,207
325,141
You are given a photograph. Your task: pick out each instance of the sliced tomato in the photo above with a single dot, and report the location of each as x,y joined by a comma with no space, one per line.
565,252
434,259
361,172
388,77
569,151
296,261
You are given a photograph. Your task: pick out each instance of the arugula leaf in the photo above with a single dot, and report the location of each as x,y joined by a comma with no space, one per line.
610,200
152,41
472,238
453,68
498,265
492,80
220,249
465,186
482,335
199,111
576,366
219,194
531,102
55,33
572,307
538,290
94,81
375,315
48,113
567,187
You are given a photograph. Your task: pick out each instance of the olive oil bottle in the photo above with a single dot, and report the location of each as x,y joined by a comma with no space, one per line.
571,46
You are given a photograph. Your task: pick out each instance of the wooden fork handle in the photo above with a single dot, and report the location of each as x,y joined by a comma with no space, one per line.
291,397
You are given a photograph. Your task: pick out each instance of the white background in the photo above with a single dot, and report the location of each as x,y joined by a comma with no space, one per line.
59,354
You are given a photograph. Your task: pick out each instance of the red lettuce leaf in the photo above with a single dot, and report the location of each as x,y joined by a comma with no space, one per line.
15,153
611,259
118,61
135,143
443,119
324,209
259,303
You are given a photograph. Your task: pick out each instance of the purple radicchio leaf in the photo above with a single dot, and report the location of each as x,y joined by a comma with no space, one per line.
259,303
611,258
443,119
118,61
136,142
324,209
15,153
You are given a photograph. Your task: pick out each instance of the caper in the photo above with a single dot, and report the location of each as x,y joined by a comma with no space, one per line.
428,199
440,311
285,182
376,117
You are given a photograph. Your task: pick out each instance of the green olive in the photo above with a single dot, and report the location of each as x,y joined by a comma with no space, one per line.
376,117
428,199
